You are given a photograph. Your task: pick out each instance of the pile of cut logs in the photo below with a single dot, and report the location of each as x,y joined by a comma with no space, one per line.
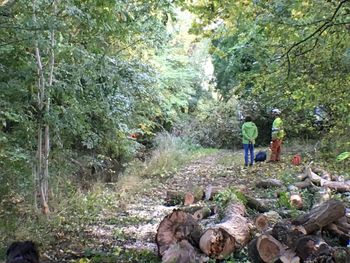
319,235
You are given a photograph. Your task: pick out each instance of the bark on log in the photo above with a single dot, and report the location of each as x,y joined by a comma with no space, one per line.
174,228
231,234
255,204
312,248
182,252
340,187
253,253
289,257
323,173
287,233
197,209
314,177
303,184
269,183
202,213
343,237
321,215
186,198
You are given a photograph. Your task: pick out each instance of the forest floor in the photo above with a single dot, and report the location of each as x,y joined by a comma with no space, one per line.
127,233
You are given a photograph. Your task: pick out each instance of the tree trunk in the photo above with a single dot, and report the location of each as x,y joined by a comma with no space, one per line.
231,234
43,139
175,228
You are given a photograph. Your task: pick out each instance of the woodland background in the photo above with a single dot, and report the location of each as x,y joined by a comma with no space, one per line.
87,86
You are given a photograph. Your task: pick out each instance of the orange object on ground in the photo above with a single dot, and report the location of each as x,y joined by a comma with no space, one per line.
296,159
276,150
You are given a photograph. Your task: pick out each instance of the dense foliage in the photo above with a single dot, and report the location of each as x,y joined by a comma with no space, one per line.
293,55
118,69
113,69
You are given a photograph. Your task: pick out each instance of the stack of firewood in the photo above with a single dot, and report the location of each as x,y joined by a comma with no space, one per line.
269,238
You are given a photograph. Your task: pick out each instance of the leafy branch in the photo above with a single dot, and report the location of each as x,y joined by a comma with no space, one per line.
328,23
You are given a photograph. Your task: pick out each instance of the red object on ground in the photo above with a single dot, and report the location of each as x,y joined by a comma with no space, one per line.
296,159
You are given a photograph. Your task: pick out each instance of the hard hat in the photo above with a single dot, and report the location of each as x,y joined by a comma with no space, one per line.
276,111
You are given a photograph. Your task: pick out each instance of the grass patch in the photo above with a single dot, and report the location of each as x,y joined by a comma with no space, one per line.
169,155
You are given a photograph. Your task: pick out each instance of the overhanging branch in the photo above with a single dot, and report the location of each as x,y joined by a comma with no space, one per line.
328,23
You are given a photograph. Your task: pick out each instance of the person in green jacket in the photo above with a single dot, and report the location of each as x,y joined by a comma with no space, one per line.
249,133
277,135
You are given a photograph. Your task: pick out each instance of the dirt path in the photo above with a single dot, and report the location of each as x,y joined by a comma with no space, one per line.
134,226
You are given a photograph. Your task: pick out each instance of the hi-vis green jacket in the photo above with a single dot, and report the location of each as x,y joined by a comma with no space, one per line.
249,132
277,129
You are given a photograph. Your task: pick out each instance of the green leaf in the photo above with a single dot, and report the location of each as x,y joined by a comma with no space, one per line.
343,156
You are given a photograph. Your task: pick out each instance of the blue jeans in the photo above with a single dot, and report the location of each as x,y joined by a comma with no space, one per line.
248,148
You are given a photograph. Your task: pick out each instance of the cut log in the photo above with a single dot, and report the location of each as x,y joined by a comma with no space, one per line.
340,187
261,222
343,222
289,256
231,234
314,177
182,252
253,253
321,215
273,217
323,173
188,199
174,228
267,183
287,233
200,209
343,237
296,201
174,198
255,204
311,248
269,248
182,198
202,213
303,184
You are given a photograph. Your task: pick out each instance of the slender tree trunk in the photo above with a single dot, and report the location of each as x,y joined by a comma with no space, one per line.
43,134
